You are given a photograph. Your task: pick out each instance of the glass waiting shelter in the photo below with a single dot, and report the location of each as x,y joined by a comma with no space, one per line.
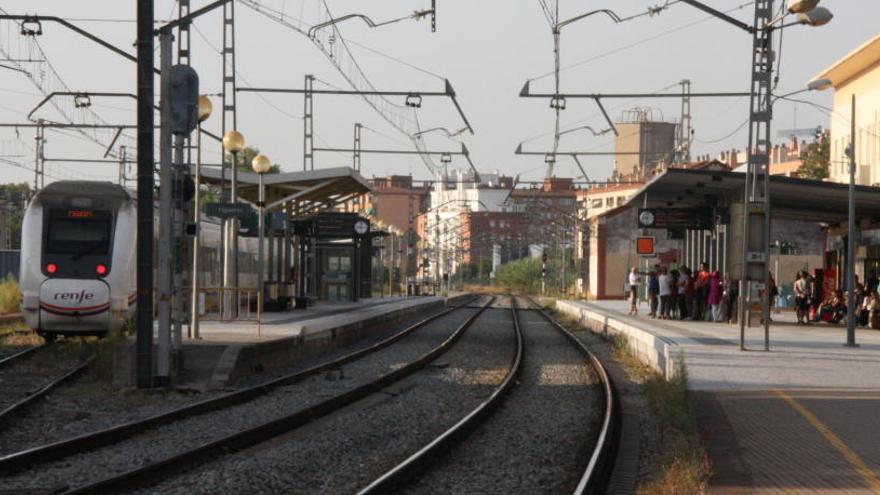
335,258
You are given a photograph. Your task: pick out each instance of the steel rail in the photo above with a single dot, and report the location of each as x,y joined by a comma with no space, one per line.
406,470
30,398
162,469
595,476
13,358
24,459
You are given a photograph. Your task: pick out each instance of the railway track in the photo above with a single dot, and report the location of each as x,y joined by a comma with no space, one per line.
17,462
23,377
446,465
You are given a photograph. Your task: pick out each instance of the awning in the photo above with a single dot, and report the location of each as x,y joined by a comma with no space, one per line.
790,197
311,191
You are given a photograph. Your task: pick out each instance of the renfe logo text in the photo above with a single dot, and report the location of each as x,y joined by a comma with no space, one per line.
74,296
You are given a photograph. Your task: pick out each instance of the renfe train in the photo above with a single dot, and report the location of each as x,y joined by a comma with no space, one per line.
78,259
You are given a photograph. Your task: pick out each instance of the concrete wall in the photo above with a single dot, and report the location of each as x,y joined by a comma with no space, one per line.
612,252
866,87
655,351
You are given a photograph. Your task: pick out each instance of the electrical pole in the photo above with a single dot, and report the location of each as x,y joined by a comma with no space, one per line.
163,372
756,195
145,60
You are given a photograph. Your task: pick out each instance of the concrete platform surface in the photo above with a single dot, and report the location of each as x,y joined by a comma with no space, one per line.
801,418
319,317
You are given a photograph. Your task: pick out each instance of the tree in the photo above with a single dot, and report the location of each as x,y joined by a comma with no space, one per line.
14,198
246,157
816,159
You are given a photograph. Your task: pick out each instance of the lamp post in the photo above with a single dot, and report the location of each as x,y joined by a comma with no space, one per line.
851,229
260,164
820,85
233,142
756,193
205,108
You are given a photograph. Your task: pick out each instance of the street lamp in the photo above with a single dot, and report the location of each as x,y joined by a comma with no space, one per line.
260,165
233,142
756,193
205,108
819,85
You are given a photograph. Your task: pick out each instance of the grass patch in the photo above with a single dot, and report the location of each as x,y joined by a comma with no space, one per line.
9,296
686,468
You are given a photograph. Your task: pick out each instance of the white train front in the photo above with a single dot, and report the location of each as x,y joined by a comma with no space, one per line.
78,259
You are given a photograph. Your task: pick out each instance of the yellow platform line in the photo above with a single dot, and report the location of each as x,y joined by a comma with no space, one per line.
854,459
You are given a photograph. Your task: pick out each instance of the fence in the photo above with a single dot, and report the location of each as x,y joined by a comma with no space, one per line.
9,263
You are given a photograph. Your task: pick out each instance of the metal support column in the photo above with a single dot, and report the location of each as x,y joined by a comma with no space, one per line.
145,182
163,372
308,125
756,196
194,310
122,159
39,163
356,156
227,123
683,146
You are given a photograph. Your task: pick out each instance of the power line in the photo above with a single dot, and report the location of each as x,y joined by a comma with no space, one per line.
636,43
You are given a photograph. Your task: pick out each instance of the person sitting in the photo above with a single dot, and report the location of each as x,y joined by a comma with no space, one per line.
874,310
832,310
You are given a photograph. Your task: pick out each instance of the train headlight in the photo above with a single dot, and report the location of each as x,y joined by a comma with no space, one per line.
51,268
101,269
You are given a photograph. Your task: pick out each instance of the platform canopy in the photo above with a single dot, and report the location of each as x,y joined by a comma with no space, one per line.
304,192
790,197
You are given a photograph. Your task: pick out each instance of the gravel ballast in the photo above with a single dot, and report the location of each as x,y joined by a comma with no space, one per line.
173,438
90,404
539,439
347,450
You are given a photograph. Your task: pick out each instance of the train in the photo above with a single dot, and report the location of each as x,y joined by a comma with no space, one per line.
78,259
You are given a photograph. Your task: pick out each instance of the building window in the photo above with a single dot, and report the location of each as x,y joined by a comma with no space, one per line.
596,203
609,201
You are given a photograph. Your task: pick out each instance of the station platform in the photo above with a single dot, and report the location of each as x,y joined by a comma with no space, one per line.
321,316
797,419
229,351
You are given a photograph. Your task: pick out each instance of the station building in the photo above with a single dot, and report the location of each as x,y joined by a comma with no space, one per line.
709,208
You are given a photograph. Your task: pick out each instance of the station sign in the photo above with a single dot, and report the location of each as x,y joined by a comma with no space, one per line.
675,218
645,245
241,211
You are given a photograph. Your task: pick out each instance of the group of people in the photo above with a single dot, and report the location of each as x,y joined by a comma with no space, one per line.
685,294
810,307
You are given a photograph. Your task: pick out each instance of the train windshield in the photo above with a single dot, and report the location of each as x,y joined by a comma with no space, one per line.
78,232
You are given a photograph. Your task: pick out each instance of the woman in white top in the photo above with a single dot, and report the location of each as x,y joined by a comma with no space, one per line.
634,281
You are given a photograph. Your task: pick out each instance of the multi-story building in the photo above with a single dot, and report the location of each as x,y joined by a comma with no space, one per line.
642,143
857,75
494,218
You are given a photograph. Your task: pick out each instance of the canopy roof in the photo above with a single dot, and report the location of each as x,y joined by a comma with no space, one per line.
310,191
790,197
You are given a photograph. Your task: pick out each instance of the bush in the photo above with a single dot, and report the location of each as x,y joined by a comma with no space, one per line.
9,296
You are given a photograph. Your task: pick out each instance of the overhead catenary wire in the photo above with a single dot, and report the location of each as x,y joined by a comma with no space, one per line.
642,41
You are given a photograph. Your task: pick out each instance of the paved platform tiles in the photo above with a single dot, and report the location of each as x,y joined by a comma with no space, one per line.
802,418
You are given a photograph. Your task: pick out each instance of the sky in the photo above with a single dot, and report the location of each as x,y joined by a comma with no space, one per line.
487,49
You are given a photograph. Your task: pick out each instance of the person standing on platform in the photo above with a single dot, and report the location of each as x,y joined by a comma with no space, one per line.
653,291
663,280
702,292
802,297
635,280
713,297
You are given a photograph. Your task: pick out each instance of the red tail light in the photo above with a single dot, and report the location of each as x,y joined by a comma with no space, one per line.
51,268
101,269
